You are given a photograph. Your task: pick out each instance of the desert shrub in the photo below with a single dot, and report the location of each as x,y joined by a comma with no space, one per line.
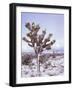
26,59
43,59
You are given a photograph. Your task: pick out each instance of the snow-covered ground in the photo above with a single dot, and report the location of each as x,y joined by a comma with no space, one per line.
52,67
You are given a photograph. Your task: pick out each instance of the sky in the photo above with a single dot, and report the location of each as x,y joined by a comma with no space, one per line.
53,23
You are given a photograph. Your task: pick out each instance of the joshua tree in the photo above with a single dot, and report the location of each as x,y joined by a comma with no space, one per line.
38,42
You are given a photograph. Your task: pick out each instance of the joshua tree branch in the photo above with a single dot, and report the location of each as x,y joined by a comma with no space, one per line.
25,39
30,44
49,44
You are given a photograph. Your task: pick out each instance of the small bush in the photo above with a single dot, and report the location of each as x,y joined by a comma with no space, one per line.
26,60
43,59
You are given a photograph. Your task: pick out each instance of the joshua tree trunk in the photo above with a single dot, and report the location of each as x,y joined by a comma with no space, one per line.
38,65
38,62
